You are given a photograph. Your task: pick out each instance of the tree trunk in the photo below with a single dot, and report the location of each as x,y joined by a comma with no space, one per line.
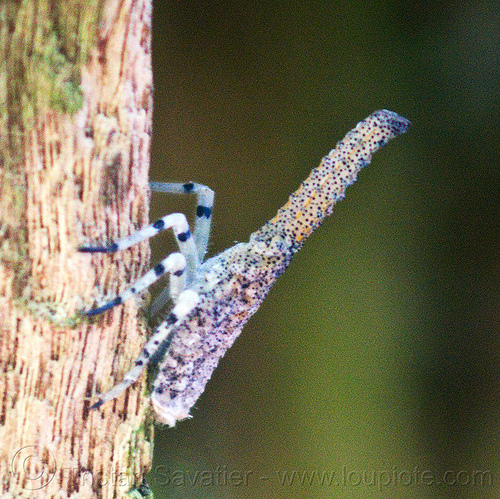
75,125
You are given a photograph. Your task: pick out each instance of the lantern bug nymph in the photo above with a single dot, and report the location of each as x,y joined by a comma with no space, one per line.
214,299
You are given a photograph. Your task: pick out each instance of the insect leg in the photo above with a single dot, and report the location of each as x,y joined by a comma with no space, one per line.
187,302
204,207
174,264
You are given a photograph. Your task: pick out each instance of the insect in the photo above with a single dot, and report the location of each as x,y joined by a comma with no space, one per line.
214,299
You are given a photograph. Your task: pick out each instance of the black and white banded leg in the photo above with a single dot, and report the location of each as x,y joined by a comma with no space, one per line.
201,231
176,221
174,264
187,302
204,207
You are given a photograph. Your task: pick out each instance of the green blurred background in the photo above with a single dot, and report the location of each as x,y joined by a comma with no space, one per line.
373,365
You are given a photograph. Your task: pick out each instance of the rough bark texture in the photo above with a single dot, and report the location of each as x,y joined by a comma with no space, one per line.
75,123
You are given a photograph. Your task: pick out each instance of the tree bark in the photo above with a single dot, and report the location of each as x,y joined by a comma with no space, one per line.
75,128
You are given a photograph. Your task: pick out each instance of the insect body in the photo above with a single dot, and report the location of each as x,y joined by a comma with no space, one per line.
214,300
